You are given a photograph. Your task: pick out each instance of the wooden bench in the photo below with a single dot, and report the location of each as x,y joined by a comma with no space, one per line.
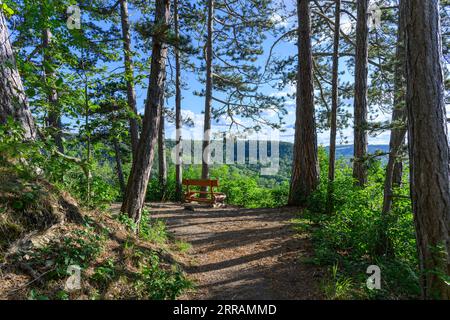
208,196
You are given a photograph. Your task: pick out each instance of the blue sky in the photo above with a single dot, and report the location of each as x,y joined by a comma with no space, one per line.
193,105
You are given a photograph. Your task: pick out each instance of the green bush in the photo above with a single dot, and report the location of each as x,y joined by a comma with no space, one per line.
242,186
350,236
157,283
104,188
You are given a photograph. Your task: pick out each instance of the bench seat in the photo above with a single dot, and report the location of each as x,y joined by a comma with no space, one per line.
206,194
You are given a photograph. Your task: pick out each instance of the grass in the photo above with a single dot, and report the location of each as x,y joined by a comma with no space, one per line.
182,246
337,286
346,276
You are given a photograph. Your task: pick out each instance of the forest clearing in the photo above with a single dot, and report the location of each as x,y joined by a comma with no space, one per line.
224,150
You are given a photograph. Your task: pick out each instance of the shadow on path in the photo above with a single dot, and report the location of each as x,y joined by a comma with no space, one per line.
243,253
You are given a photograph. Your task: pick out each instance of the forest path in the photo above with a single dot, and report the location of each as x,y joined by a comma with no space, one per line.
242,253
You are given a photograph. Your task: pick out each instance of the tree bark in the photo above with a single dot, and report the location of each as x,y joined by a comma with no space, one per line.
305,169
178,120
119,167
360,103
397,175
428,142
399,114
54,114
208,94
13,101
129,75
398,133
142,165
162,167
87,123
334,107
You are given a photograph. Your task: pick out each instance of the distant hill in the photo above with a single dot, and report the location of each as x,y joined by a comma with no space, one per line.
286,148
343,151
285,154
347,150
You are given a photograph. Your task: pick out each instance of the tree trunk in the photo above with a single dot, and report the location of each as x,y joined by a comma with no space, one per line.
129,76
13,101
54,114
162,167
119,166
142,165
428,142
178,120
334,107
305,169
208,95
397,175
87,123
360,104
398,132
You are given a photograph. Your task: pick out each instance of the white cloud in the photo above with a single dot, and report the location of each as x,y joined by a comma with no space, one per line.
347,24
279,20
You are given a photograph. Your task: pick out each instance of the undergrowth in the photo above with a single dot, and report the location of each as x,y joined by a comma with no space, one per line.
108,270
346,241
113,262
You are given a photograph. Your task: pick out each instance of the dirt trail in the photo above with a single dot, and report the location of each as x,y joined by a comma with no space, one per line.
242,253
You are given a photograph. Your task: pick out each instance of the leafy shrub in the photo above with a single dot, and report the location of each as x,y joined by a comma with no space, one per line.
80,249
15,151
242,187
351,235
29,158
158,283
104,190
105,272
151,229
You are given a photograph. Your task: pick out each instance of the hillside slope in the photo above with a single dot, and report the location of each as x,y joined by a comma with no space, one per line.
45,238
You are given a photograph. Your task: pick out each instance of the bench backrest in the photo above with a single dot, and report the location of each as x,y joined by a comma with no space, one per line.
201,183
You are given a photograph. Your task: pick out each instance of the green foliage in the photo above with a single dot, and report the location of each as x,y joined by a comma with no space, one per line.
104,190
158,283
126,221
338,286
35,295
350,237
151,229
148,279
105,272
15,151
243,187
80,249
183,246
6,9
28,158
154,281
155,191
